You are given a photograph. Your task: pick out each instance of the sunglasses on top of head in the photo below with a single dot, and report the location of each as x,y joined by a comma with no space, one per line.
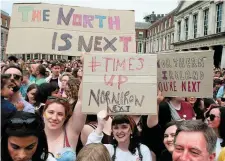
57,98
212,117
15,76
19,123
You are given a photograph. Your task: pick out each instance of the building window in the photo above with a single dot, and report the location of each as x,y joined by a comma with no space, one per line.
219,8
179,30
165,41
35,56
186,28
150,46
139,47
1,21
169,40
158,44
206,20
51,57
6,23
172,39
195,22
58,56
140,35
2,38
28,56
169,23
6,38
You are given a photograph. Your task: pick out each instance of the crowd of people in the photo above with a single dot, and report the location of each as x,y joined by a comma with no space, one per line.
42,120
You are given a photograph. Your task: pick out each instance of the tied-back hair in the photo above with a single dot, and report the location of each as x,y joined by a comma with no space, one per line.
36,128
135,137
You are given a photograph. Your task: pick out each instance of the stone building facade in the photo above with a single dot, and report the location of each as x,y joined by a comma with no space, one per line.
5,22
160,34
200,25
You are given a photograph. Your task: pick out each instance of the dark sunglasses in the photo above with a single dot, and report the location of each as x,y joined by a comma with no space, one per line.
212,117
15,76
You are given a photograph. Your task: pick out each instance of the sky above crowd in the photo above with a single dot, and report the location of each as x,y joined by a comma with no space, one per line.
141,7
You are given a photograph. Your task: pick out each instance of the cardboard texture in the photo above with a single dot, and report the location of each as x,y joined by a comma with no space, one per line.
123,83
186,74
67,30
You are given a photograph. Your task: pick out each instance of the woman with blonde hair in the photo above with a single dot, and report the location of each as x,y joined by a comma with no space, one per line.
94,152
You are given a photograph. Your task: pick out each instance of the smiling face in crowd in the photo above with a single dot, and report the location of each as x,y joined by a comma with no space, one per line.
169,138
54,116
22,148
191,146
122,132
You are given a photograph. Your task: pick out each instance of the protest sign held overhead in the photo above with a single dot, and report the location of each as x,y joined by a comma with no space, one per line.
186,74
67,30
123,83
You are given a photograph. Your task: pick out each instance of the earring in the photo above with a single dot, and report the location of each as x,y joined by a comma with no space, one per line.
131,136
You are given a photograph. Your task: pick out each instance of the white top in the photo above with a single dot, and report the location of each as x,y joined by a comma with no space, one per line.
120,154
218,147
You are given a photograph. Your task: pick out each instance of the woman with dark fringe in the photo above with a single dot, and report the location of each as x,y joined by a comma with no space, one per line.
125,142
24,139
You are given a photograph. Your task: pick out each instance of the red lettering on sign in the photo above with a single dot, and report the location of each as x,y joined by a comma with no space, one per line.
110,82
142,63
190,86
130,63
122,79
167,86
121,64
107,63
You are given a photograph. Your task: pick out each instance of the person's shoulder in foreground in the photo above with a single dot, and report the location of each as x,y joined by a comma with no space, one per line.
27,106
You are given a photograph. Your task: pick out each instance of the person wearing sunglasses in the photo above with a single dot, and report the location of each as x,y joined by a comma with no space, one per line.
63,127
216,120
24,139
15,73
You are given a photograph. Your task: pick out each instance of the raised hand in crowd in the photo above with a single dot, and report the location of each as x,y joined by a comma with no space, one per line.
153,119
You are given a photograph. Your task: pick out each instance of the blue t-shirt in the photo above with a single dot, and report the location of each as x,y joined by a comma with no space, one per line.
7,110
220,92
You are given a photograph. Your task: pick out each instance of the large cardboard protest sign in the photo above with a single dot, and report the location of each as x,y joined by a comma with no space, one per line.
67,30
123,83
186,74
